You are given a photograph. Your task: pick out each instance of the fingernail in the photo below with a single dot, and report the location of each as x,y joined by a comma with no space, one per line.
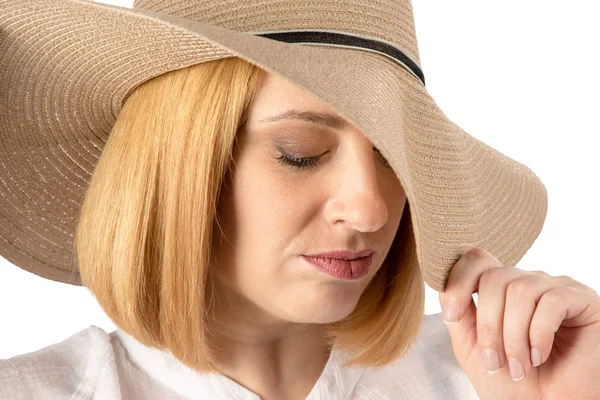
516,369
536,357
491,360
451,310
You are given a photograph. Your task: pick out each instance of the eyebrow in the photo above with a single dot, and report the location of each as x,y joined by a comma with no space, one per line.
326,119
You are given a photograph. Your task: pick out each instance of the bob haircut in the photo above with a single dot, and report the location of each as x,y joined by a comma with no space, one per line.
148,223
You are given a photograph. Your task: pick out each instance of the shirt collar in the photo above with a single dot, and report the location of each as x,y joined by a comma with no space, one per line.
160,365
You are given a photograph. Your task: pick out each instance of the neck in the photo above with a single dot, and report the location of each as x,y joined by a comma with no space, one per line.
271,357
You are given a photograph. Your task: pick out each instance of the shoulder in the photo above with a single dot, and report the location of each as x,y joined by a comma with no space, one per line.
60,370
428,371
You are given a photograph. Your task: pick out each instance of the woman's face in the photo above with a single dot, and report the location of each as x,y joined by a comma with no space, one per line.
272,213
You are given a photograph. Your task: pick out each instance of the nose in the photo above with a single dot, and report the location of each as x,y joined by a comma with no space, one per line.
359,200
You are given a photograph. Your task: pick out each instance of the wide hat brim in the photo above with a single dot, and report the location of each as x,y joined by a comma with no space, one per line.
59,99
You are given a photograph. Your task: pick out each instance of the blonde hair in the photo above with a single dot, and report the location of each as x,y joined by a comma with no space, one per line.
146,230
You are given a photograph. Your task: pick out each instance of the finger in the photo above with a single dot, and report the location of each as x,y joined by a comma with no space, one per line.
590,314
491,315
522,295
566,306
463,281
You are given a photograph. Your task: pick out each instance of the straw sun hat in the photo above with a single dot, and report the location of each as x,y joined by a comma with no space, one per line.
67,67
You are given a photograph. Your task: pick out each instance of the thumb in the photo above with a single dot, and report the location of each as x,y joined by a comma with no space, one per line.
463,332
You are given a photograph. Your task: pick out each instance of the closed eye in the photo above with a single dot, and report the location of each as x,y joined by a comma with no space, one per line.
310,162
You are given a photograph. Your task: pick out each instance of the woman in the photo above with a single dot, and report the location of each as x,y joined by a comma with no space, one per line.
217,183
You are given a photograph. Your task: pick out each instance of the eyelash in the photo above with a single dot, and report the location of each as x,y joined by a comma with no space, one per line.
303,163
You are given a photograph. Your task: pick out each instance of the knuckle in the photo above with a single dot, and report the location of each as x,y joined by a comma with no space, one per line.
519,288
486,332
551,297
590,290
573,285
568,280
541,273
492,276
512,346
537,332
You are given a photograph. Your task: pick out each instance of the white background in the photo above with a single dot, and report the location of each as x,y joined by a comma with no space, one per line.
523,77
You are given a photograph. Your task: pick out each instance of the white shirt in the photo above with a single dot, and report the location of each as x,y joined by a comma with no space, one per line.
94,364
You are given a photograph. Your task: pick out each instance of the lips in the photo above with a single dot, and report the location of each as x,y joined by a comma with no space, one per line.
343,255
342,269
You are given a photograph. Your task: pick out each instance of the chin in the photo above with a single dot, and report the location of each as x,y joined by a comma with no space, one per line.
328,319
324,312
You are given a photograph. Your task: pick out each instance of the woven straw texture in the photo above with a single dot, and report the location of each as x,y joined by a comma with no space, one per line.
67,67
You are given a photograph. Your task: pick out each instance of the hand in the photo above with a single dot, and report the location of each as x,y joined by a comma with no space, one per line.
518,311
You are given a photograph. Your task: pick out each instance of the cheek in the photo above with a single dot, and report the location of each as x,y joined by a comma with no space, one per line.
272,209
264,225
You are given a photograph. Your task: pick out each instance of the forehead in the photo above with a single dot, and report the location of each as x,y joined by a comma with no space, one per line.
278,99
